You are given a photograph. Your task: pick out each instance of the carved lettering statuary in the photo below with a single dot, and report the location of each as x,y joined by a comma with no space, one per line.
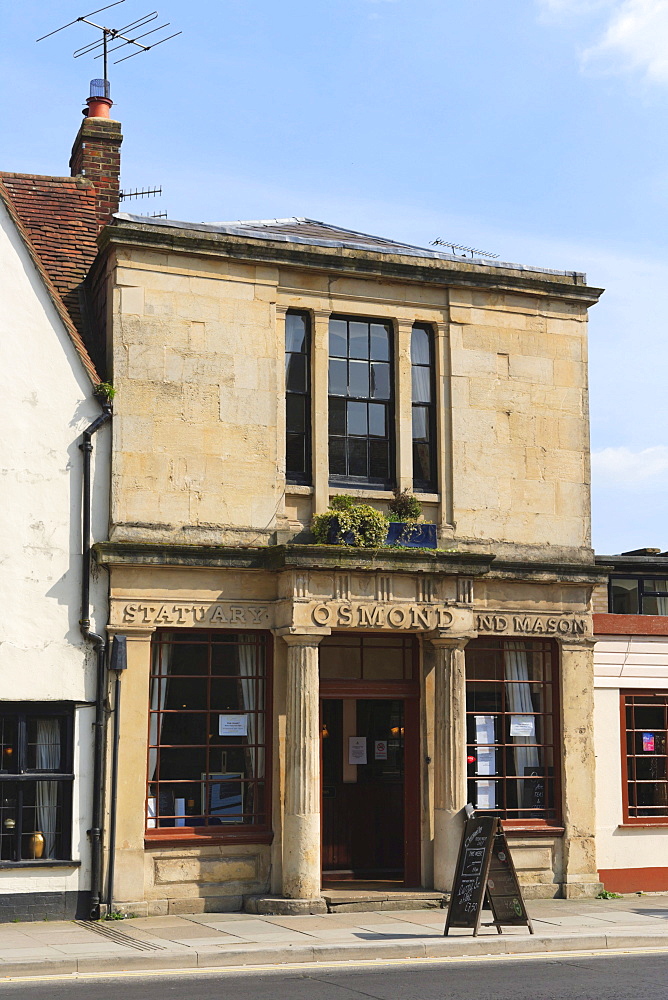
191,615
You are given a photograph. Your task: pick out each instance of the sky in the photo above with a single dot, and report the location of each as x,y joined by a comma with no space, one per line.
533,129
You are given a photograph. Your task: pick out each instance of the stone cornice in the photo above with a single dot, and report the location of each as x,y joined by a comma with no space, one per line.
298,557
348,559
365,263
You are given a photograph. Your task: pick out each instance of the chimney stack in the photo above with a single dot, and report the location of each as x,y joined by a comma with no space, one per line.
96,153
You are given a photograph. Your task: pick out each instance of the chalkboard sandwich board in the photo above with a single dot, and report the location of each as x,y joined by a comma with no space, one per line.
485,875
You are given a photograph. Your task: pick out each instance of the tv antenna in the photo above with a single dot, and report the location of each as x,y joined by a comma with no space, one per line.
116,34
465,250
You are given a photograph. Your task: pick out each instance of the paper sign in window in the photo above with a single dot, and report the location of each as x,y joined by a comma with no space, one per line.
484,729
485,794
357,749
233,725
380,749
522,725
648,742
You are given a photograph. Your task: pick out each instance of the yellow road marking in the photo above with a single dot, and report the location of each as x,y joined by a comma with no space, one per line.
230,970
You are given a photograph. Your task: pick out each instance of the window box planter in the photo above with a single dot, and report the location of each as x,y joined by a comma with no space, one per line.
404,533
411,535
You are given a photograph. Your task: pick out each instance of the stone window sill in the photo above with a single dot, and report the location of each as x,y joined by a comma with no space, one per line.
39,863
293,489
661,824
182,836
363,494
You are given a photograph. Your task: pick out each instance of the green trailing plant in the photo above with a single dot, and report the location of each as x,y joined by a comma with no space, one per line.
367,525
604,894
104,391
342,502
404,507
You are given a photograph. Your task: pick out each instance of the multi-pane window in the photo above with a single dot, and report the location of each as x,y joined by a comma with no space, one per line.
638,595
511,723
297,398
424,409
360,402
36,776
645,777
208,731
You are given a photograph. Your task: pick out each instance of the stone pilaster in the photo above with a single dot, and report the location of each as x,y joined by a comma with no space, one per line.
301,823
449,755
580,876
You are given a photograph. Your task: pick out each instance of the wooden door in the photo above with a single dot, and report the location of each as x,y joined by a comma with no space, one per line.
369,809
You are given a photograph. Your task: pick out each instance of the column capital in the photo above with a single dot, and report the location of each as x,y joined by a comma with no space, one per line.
441,639
574,642
301,638
133,632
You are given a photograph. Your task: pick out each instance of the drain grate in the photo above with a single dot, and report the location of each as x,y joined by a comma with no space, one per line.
119,937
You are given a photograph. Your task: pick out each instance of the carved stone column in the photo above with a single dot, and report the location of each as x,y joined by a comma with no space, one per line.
301,824
449,755
580,875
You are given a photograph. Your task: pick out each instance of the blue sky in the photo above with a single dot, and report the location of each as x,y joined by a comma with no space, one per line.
534,129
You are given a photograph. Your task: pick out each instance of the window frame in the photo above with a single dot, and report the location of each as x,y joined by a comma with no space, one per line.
366,482
552,823
422,486
24,775
242,833
643,592
629,820
297,478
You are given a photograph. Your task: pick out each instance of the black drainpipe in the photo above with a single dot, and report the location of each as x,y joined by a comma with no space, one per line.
98,641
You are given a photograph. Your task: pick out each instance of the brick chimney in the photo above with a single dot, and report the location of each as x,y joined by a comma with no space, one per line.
96,153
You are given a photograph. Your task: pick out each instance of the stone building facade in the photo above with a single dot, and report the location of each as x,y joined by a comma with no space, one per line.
296,714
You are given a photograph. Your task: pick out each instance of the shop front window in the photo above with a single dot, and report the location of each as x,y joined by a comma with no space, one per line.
35,782
645,757
208,732
512,729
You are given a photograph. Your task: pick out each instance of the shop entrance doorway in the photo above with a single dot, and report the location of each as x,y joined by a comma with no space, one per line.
370,763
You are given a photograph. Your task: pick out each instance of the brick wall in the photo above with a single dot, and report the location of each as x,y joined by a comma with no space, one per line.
96,154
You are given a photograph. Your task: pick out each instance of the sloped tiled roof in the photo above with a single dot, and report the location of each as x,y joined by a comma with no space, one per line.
67,275
58,216
310,232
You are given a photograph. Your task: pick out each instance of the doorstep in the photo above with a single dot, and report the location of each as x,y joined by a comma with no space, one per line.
363,900
349,900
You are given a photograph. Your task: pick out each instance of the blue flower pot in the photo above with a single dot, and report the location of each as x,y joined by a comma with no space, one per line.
336,537
411,536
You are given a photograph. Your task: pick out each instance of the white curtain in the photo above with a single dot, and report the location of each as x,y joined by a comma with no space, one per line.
248,668
48,759
662,605
518,698
159,685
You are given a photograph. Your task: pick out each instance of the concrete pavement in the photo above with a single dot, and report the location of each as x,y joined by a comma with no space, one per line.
228,940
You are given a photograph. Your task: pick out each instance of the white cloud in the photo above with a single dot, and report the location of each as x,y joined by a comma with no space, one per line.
634,35
626,469
635,39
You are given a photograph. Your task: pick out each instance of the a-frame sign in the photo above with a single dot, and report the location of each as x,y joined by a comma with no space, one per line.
485,873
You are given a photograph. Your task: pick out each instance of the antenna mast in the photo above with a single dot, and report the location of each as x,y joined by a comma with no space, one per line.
114,34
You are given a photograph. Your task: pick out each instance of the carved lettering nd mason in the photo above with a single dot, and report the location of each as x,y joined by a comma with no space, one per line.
514,624
193,614
394,616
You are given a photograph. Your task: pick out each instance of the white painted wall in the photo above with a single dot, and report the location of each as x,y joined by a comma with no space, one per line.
46,402
623,663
